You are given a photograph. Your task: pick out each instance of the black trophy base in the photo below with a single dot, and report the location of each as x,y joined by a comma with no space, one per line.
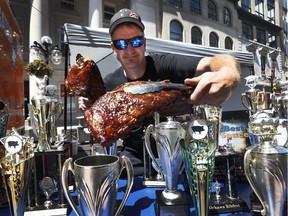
225,204
176,207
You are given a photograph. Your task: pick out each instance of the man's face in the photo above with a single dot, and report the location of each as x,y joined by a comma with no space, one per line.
130,57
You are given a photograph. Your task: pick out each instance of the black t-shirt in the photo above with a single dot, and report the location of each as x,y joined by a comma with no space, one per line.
159,67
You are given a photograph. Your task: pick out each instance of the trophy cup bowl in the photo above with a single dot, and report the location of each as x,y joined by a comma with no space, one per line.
256,100
249,100
56,112
16,168
281,105
168,136
265,166
96,180
198,153
41,110
16,180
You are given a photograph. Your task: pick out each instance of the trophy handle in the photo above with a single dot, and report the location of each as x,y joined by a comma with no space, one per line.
60,110
245,102
68,165
149,150
130,178
247,169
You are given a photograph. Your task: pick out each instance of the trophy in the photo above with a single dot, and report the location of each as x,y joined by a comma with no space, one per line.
198,151
281,105
45,112
150,178
168,136
254,99
16,169
56,112
228,201
41,110
265,166
96,180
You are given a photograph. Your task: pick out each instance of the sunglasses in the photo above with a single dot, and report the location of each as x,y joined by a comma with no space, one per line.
122,44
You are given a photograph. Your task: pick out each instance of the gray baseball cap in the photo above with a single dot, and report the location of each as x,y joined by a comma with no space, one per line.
125,16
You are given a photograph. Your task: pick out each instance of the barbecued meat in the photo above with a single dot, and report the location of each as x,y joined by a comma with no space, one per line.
114,114
84,79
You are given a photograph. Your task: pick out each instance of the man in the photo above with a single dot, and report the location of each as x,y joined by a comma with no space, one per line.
214,78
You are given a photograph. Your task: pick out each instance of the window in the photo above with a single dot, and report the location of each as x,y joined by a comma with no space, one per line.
228,43
212,10
213,39
247,31
227,17
261,38
175,31
195,6
271,11
196,36
272,41
246,5
67,4
177,3
259,8
109,11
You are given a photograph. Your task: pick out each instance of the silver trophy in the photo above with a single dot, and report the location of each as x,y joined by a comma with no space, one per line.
281,105
56,112
254,99
150,178
198,152
16,168
265,166
168,136
46,111
96,179
41,110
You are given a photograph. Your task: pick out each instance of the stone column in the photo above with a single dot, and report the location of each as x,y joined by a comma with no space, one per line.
39,26
95,14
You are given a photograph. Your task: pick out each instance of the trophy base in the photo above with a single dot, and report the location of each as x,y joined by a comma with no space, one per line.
225,204
153,182
175,207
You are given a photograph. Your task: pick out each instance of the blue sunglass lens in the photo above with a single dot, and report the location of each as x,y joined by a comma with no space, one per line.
134,42
120,44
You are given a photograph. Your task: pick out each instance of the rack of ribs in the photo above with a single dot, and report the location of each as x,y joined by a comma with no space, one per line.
114,113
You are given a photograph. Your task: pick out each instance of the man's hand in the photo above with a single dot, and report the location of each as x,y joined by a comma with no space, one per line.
215,87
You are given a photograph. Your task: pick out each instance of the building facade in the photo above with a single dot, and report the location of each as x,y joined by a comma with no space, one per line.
258,26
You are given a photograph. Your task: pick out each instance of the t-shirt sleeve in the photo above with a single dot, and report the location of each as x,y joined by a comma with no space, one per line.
176,68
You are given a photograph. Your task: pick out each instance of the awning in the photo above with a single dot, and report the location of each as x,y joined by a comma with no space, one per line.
99,38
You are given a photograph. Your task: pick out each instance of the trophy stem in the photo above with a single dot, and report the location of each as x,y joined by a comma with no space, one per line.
230,178
203,190
200,179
